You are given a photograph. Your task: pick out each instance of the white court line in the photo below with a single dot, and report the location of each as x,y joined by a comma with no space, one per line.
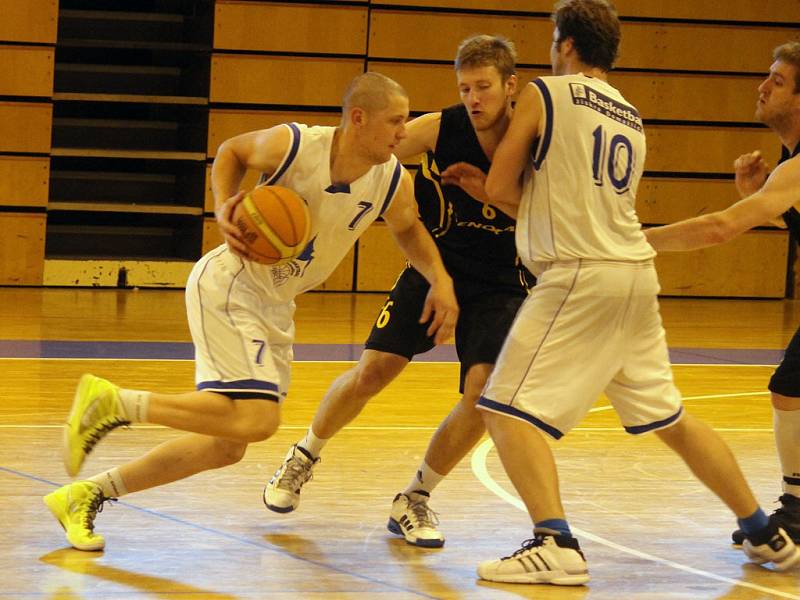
479,468
478,463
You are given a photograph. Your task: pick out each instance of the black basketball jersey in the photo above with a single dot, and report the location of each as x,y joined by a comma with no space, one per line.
791,217
476,240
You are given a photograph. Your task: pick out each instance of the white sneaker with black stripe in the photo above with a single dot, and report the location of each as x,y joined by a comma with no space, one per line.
412,518
773,545
547,558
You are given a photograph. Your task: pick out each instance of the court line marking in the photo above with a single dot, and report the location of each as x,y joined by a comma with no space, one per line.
478,462
237,538
352,362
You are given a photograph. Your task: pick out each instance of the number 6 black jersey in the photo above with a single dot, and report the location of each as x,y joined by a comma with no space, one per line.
579,201
476,240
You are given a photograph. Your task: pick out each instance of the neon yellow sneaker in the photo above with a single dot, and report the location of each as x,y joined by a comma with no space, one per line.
75,506
96,410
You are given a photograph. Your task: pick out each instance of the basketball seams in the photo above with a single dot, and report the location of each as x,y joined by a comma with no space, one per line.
271,222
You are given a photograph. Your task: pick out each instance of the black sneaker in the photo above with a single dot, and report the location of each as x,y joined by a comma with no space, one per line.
787,517
772,545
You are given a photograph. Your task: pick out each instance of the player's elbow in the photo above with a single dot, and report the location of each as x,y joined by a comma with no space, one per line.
722,229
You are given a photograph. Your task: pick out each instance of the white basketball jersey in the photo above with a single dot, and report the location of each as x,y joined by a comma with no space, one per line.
579,195
339,213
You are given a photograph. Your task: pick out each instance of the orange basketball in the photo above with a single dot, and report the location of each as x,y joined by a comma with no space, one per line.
274,222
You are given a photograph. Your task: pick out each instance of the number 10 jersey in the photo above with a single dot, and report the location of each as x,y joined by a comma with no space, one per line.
578,200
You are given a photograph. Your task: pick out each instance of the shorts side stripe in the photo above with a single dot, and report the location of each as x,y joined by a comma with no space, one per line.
515,412
202,308
549,329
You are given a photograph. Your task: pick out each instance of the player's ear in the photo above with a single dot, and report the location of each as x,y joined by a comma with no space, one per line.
358,116
511,85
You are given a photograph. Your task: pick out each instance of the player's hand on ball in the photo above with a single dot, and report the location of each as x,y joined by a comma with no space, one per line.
441,309
230,232
751,172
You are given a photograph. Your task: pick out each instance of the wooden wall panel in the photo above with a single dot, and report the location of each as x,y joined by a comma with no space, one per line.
644,45
687,97
281,80
437,35
379,260
21,248
280,27
29,21
666,200
700,47
27,71
24,180
35,136
770,11
723,10
224,124
753,265
211,235
705,149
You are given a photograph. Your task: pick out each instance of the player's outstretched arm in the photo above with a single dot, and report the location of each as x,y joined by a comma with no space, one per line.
260,150
779,193
441,307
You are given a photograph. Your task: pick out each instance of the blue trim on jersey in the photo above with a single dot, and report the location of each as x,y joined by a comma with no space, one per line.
547,136
242,389
338,188
290,158
515,412
636,430
392,187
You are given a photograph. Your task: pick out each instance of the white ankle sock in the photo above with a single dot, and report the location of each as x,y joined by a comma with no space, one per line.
312,443
787,439
425,479
111,483
135,403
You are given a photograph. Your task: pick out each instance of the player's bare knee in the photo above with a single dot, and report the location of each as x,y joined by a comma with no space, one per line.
785,402
257,420
369,379
229,452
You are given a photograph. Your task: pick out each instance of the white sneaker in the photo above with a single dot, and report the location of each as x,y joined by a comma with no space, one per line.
414,520
282,493
773,546
546,558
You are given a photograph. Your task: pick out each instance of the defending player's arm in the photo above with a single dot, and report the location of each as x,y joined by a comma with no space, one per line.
779,193
421,136
260,150
504,183
421,251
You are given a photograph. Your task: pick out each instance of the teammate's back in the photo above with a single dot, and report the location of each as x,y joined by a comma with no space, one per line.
587,163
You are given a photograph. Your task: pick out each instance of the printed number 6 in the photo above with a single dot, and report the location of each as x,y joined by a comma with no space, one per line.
384,317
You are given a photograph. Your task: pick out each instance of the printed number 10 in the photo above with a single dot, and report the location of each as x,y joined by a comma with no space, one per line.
615,159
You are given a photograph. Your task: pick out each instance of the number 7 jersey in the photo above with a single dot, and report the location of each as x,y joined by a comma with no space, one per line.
580,188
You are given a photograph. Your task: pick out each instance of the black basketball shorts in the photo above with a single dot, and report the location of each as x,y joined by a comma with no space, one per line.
786,378
486,314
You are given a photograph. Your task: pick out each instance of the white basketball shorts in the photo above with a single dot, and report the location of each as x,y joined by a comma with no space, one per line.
243,345
587,327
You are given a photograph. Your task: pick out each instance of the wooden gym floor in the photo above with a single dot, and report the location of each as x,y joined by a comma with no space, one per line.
648,529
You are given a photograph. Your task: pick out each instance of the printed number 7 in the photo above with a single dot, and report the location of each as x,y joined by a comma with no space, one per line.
365,208
260,352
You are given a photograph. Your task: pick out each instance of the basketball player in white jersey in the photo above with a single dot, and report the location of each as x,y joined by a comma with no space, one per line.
241,312
767,197
573,157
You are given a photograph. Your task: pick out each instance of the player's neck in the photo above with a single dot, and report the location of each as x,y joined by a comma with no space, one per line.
347,164
490,138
